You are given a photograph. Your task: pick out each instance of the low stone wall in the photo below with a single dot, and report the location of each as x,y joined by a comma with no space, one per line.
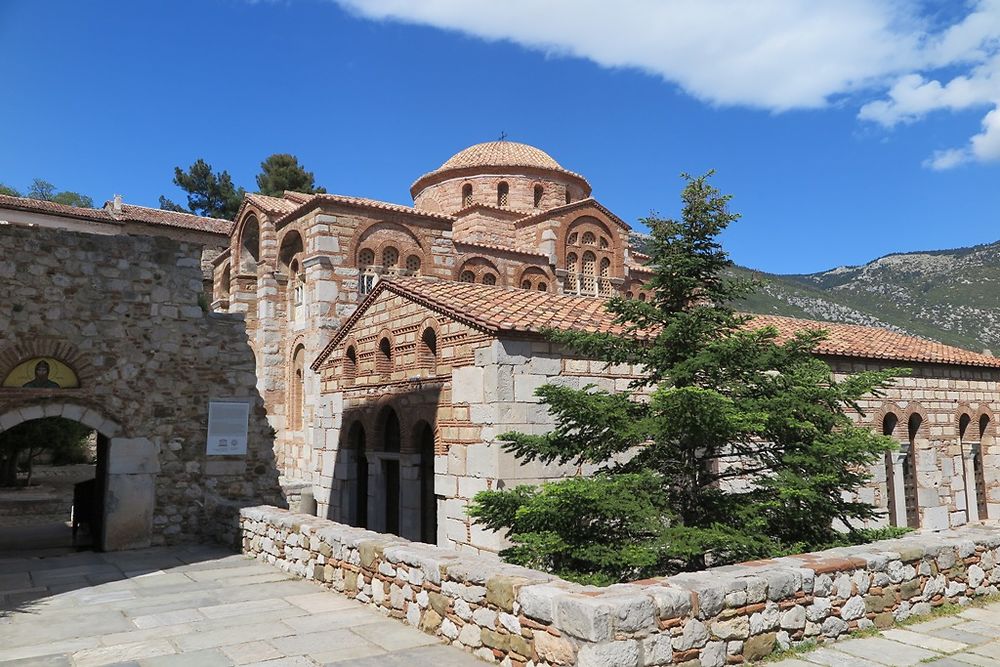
727,615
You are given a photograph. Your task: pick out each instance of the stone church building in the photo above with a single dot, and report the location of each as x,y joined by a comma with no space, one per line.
393,343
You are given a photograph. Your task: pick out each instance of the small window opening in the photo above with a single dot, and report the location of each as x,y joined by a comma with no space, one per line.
503,192
538,195
466,195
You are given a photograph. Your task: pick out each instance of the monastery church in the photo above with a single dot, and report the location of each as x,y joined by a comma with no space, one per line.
394,343
375,351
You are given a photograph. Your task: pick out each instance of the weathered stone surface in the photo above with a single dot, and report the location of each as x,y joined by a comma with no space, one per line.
694,635
734,628
794,618
610,654
556,650
759,646
586,618
658,649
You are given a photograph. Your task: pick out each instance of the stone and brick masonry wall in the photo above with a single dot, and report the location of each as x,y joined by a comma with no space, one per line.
727,615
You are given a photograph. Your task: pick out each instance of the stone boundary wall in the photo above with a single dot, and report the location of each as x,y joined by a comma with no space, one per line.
727,615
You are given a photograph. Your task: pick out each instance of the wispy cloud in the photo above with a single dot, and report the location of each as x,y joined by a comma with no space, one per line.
775,55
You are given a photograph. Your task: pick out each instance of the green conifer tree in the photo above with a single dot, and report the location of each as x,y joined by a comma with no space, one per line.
737,443
280,172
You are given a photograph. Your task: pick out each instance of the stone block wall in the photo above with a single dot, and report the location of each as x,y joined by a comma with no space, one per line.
123,312
726,615
943,457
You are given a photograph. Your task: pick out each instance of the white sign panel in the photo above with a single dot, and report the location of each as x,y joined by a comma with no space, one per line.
227,427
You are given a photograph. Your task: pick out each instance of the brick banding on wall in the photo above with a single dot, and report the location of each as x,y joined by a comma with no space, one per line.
724,615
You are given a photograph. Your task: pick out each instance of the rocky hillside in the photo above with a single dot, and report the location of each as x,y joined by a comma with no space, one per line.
952,296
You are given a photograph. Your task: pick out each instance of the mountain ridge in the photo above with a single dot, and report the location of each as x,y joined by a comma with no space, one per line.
948,295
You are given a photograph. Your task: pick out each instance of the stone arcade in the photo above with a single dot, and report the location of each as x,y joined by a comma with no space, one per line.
393,343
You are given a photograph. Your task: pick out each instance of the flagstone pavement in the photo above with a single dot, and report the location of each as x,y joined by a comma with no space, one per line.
193,607
972,637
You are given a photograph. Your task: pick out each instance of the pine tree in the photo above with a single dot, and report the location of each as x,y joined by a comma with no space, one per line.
280,172
737,443
208,194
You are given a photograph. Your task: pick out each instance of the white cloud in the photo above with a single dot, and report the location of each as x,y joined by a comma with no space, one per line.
767,54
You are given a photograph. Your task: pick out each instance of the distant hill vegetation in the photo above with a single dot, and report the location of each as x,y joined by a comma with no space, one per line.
952,296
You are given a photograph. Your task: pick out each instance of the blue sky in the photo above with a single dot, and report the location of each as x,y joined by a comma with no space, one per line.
842,135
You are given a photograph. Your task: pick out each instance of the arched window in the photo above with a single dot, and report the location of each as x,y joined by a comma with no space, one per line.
467,195
589,238
383,365
605,277
427,356
250,245
390,258
539,191
604,243
503,192
296,392
572,274
296,292
543,286
642,296
489,279
224,282
569,197
525,284
413,264
350,366
467,277
589,271
356,444
367,276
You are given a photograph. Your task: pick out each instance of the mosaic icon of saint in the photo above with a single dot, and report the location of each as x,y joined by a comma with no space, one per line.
41,380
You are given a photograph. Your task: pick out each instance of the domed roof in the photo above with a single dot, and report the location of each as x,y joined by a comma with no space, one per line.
501,154
494,155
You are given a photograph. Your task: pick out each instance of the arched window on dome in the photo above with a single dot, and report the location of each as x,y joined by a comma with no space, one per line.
539,191
569,197
467,195
503,194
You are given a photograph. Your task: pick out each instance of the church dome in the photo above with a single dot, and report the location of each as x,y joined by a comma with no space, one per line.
500,158
501,154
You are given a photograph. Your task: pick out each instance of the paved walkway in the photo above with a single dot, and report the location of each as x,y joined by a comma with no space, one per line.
970,638
192,607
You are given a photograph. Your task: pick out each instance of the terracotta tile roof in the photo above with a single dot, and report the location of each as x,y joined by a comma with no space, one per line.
490,208
853,340
493,154
359,202
501,154
497,310
128,213
501,248
155,216
279,206
589,201
52,208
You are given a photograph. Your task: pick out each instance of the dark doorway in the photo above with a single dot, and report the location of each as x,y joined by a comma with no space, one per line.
428,501
52,487
356,444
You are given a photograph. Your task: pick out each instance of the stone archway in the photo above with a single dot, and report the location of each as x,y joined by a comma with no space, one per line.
127,469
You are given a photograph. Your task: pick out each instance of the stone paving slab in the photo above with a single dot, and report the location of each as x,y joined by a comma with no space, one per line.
193,607
972,637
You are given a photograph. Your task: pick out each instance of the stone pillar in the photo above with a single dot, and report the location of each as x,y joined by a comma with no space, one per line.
130,493
969,450
898,498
